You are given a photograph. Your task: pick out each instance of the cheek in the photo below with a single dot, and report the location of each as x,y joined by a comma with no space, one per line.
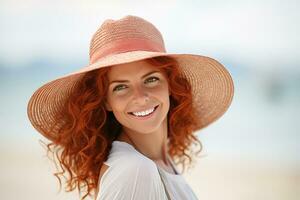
116,103
163,95
164,90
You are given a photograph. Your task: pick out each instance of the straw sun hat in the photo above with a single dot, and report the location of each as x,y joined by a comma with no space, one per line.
126,40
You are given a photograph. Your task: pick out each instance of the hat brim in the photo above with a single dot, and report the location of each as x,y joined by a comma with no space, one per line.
212,88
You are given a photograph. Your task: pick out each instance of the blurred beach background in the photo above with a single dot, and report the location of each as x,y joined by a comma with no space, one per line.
252,152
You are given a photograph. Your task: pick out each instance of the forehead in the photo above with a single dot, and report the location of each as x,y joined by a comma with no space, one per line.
137,68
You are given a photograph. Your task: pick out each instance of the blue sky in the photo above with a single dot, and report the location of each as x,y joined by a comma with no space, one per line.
258,34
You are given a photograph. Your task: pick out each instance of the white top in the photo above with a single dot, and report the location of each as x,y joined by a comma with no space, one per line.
133,176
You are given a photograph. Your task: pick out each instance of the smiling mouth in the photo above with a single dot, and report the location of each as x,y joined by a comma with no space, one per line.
131,113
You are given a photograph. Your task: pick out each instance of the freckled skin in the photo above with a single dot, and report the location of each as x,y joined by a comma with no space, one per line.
138,94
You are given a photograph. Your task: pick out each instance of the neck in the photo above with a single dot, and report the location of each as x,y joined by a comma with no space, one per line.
153,145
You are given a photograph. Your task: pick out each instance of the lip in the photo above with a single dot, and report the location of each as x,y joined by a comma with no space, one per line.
146,117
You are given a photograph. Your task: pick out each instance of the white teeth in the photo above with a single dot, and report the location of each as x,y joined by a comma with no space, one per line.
143,113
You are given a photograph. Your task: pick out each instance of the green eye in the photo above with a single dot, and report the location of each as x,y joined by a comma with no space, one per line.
117,88
152,79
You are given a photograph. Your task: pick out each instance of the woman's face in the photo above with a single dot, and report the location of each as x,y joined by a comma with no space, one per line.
134,88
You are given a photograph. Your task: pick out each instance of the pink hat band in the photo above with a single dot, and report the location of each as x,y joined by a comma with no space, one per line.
122,46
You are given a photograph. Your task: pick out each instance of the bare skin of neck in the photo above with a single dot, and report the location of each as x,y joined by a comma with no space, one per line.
152,145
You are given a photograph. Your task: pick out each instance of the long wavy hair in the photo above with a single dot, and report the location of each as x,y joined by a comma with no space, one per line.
85,140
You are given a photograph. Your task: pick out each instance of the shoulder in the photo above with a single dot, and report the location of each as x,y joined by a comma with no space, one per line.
130,175
129,164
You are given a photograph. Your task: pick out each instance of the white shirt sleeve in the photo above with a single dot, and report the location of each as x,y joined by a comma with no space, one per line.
131,178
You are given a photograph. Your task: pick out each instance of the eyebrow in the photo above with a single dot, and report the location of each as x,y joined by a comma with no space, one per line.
123,81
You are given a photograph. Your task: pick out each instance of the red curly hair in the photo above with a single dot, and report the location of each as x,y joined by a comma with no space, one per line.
84,142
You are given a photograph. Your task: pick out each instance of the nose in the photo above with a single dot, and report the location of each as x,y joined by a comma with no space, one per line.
140,96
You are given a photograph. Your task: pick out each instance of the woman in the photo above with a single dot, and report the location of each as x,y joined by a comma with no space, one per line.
117,125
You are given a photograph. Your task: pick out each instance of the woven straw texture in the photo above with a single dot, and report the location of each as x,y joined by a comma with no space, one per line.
127,40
